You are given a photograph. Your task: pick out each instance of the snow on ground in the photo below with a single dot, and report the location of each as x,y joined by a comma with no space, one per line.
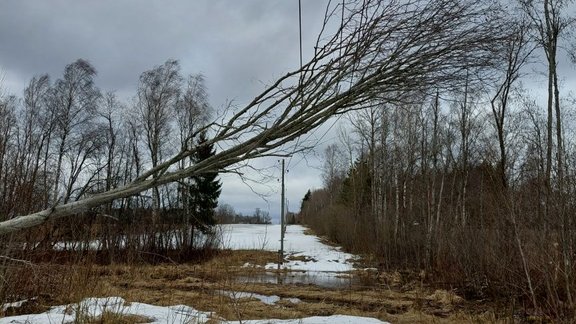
268,300
94,307
17,304
313,255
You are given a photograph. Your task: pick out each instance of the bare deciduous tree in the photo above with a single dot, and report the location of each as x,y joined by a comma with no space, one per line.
73,101
334,167
550,23
36,129
158,94
516,55
381,49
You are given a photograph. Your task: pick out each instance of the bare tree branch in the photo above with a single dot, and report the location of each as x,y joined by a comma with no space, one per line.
381,49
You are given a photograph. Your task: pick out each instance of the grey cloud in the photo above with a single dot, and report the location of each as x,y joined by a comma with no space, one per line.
231,42
238,45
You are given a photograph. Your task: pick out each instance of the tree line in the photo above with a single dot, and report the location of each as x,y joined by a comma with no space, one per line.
225,214
66,139
413,191
474,184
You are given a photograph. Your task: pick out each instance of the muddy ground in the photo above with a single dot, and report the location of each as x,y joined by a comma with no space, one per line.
224,285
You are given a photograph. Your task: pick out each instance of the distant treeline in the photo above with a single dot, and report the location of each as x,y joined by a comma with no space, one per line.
225,214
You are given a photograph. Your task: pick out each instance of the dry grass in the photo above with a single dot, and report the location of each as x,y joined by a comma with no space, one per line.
200,286
115,318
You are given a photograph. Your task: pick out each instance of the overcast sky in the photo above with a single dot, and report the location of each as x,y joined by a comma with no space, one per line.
238,45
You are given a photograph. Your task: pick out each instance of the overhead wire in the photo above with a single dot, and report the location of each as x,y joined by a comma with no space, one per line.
301,72
300,29
301,65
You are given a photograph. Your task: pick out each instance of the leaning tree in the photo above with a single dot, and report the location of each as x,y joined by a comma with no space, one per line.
375,52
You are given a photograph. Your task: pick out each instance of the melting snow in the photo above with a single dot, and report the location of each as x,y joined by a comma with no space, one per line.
94,307
268,300
160,315
304,253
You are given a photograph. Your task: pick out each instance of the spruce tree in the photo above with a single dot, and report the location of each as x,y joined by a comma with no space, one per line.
305,199
204,189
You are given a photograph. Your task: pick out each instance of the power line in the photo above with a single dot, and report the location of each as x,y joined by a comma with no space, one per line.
300,28
301,64
301,72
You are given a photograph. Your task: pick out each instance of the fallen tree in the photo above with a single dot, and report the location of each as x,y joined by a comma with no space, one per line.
378,52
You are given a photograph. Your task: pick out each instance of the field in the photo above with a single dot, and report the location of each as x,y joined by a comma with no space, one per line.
243,283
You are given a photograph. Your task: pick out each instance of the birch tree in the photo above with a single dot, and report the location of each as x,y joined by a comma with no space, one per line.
550,24
379,50
73,101
158,94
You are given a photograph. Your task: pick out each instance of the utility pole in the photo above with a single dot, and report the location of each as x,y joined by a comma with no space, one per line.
282,225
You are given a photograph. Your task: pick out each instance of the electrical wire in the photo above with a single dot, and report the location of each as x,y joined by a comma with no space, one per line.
299,85
300,28
301,64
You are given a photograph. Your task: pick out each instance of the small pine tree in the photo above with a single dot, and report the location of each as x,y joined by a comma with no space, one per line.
204,190
355,192
305,199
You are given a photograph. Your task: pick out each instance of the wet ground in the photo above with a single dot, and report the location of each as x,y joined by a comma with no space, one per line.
226,286
320,279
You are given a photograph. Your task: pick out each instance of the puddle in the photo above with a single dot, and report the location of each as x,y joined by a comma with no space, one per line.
268,300
321,279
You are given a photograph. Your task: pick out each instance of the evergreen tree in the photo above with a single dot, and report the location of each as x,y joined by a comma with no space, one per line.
305,199
355,192
204,190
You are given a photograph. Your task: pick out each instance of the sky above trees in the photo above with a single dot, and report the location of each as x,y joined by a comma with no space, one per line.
238,46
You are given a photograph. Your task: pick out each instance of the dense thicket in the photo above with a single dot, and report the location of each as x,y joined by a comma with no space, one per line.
473,185
415,205
430,186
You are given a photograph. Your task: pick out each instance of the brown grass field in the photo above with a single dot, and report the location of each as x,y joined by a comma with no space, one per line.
392,297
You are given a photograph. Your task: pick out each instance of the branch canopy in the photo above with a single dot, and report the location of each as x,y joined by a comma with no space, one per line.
381,51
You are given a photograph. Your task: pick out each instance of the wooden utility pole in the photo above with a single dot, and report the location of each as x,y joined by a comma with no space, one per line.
282,225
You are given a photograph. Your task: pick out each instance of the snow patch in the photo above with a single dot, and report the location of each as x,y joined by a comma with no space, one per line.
302,252
268,300
161,315
16,304
94,307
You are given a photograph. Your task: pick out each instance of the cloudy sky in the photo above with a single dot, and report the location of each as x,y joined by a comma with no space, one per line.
239,46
